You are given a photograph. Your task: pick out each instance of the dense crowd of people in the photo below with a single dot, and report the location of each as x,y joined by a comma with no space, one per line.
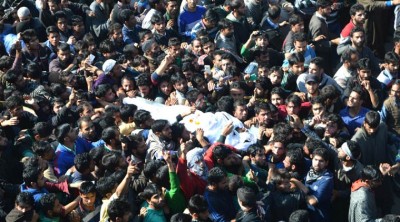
312,83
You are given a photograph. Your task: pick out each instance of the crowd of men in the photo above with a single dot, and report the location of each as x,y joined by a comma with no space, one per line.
314,81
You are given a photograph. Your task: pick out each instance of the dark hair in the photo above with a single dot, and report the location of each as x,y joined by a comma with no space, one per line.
47,202
292,98
224,24
150,190
61,132
41,147
159,125
329,92
125,14
60,14
141,116
356,29
25,198
391,57
278,175
313,144
30,174
14,102
28,35
157,18
108,134
101,90
235,4
117,208
143,80
364,64
110,161
336,118
355,8
82,162
295,157
126,111
282,128
76,19
323,3
63,47
105,185
247,196
87,187
318,61
151,167
371,173
225,104
197,204
373,119
295,19
181,217
106,46
279,91
321,152
299,37
215,175
43,129
354,148
346,55
274,12
261,106
51,29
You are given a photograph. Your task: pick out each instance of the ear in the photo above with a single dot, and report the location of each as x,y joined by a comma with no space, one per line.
220,161
348,158
293,167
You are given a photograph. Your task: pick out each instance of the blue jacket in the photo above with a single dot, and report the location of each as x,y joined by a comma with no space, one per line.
65,157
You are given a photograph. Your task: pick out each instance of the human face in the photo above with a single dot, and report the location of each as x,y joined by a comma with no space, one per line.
22,207
275,78
208,48
263,71
393,68
300,47
315,70
87,111
16,111
395,91
311,87
144,90
358,39
166,133
191,4
110,96
57,107
228,32
284,185
341,155
326,11
78,28
63,55
331,129
241,113
223,185
297,68
54,38
262,42
318,163
175,50
263,117
318,109
364,74
292,109
127,85
225,63
276,100
41,181
232,160
354,100
196,47
73,134
62,24
278,149
259,159
296,28
157,201
57,209
181,86
172,7
370,131
53,7
209,24
242,9
217,61
160,27
89,199
117,35
33,44
87,130
166,88
359,18
237,94
131,22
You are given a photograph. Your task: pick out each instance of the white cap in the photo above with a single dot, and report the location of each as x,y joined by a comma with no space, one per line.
109,65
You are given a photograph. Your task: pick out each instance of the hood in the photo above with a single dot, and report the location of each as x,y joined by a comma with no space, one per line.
357,185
